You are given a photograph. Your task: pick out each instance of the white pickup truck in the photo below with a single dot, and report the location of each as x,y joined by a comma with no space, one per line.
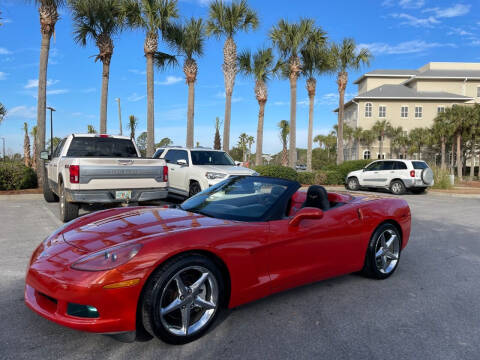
90,169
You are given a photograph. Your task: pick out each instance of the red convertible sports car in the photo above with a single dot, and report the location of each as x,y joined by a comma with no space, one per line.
168,272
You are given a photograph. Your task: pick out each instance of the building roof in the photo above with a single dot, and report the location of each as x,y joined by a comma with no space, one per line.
388,73
446,74
402,92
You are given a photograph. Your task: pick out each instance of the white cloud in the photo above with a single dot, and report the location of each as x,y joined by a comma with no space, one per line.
3,75
7,21
405,4
33,83
453,11
280,103
170,80
57,91
135,97
221,95
23,111
4,51
416,21
460,31
406,47
137,72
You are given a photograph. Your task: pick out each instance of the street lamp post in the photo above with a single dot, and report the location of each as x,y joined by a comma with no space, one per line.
3,149
119,115
51,129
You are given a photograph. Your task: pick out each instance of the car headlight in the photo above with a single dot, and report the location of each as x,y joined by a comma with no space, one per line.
214,175
107,259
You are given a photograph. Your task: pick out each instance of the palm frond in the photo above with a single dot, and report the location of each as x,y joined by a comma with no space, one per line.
192,38
3,112
228,19
163,60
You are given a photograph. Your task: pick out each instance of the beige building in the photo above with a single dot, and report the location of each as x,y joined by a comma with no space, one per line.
408,98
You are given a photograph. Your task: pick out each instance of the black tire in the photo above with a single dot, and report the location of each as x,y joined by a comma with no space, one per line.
371,267
194,189
68,210
397,187
418,190
156,286
353,184
48,194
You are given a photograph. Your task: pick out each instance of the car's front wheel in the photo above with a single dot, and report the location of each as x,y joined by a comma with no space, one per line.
194,189
352,184
182,299
383,253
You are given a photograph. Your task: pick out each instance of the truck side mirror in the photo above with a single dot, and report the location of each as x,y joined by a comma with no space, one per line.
45,155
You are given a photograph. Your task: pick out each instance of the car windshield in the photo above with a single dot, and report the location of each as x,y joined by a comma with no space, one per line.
243,198
211,158
101,147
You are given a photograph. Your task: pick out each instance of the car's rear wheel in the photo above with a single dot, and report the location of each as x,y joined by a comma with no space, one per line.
68,210
383,253
182,299
48,194
194,189
352,184
397,187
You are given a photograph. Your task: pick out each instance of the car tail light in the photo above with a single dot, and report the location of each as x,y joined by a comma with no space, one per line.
74,174
165,173
104,136
412,173
107,259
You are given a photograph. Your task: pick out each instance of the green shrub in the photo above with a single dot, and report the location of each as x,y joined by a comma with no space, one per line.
277,171
334,177
306,178
338,173
16,176
320,177
441,178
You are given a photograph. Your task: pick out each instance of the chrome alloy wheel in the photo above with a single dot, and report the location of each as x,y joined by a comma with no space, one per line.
189,301
387,251
396,188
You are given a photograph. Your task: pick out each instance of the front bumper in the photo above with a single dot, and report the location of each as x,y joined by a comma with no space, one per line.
108,196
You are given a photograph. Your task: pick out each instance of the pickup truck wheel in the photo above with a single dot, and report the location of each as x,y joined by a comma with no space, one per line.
194,188
68,210
48,194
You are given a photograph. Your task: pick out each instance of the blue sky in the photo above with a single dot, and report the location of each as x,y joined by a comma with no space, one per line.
401,34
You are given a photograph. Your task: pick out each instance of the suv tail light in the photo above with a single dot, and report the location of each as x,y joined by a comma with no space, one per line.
74,174
412,173
165,173
104,135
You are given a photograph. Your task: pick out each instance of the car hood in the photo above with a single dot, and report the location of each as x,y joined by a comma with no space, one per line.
355,173
226,169
100,230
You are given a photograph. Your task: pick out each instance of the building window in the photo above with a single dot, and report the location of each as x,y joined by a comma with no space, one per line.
380,156
478,91
418,111
382,111
368,110
366,155
440,109
404,112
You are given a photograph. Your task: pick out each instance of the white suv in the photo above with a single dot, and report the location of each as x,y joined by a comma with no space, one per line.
193,170
396,175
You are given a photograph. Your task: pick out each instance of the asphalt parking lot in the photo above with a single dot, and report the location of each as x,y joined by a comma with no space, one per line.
429,309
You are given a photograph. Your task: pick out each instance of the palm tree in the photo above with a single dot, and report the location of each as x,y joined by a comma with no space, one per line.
34,152
368,137
153,16
217,141
442,130
132,125
344,57
191,44
26,146
381,127
460,116
242,145
290,39
284,132
226,20
98,21
250,142
259,65
91,129
48,11
394,133
315,61
418,138
357,136
3,112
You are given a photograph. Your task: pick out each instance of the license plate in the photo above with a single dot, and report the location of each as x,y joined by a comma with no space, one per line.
123,195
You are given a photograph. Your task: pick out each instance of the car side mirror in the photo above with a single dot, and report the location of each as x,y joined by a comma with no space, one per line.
182,162
45,155
306,213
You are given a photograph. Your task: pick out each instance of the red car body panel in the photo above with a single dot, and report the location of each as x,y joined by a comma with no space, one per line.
261,257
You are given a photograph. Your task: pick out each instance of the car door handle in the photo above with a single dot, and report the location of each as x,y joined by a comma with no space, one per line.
171,169
392,172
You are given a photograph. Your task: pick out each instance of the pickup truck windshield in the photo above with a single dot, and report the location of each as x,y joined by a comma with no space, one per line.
101,147
211,158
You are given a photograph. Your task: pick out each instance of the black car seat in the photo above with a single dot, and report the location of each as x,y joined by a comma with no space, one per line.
317,197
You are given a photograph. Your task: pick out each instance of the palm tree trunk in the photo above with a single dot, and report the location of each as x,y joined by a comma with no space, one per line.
453,154
459,156
442,166
259,150
292,158
358,150
41,105
104,100
226,124
150,107
190,113
310,132
342,84
380,150
472,161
